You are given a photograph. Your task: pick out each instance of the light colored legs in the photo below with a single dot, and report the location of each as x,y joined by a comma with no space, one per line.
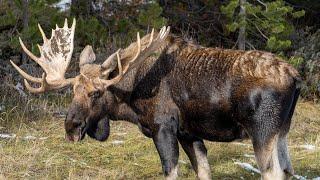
284,158
197,153
203,167
268,159
173,174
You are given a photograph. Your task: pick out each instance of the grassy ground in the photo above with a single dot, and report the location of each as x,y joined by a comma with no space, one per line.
127,154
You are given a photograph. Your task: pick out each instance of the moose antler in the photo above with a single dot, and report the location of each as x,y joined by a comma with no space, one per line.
125,65
55,57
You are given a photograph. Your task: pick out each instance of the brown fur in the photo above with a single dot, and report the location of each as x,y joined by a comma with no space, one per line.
187,92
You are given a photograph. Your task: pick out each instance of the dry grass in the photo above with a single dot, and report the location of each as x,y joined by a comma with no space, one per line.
136,158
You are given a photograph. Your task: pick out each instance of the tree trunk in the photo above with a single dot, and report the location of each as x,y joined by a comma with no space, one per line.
242,29
25,22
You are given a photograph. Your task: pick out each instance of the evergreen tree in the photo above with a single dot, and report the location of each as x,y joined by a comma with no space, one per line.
267,23
19,18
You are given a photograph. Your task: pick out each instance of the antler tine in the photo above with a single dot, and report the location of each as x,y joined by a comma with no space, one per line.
151,37
139,47
45,86
26,50
164,32
115,80
167,32
42,88
73,27
152,45
161,31
108,62
139,56
44,37
65,23
119,64
25,75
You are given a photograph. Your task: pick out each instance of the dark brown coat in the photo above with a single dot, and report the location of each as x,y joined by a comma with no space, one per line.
188,93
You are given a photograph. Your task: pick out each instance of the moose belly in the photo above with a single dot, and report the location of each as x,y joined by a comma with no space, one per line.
212,122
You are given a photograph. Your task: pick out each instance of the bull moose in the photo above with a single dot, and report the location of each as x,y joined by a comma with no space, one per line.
176,91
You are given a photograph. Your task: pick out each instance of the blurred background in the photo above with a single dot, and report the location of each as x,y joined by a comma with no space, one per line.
32,144
289,28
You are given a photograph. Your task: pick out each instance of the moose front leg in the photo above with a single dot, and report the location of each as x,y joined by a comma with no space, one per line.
167,146
197,153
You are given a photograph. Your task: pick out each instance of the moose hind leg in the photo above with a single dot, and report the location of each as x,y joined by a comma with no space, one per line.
265,127
197,153
266,153
283,152
284,158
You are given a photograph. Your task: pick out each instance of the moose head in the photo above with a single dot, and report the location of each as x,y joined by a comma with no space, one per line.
88,111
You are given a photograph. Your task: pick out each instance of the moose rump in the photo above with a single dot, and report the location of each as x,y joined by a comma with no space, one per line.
238,100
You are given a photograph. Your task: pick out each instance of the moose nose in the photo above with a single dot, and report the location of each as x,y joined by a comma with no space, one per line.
72,138
69,138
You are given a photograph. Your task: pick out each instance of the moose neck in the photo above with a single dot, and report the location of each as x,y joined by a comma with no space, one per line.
122,92
120,99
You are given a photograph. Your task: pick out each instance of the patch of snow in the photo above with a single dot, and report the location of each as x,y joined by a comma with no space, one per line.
308,147
249,155
248,167
299,177
29,137
7,136
117,142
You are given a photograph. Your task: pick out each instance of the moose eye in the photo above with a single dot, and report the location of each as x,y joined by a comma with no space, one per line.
94,94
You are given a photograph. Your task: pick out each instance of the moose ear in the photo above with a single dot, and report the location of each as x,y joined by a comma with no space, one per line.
87,56
99,130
